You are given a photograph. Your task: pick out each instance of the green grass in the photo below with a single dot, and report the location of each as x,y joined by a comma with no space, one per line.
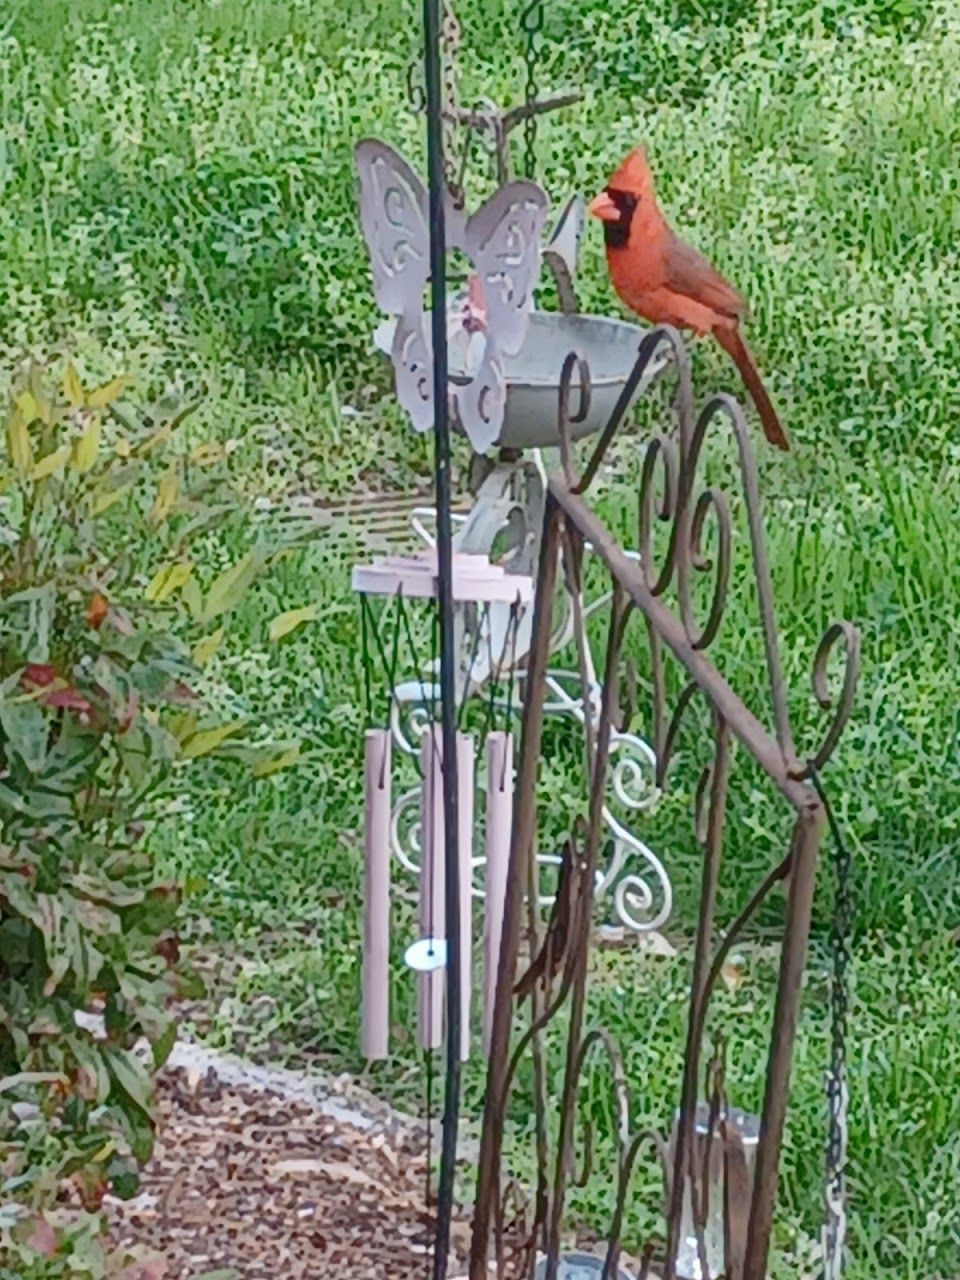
177,200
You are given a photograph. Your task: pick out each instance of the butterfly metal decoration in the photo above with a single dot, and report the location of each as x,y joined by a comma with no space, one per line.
502,242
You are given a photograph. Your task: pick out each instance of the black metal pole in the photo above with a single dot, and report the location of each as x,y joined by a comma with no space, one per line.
438,319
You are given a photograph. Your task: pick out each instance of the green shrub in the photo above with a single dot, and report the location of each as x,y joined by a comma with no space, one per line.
98,715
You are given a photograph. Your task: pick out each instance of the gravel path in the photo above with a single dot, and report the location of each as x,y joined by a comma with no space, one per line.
264,1174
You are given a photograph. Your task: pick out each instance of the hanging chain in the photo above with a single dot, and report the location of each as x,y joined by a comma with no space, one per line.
416,94
417,98
835,1224
531,21
450,41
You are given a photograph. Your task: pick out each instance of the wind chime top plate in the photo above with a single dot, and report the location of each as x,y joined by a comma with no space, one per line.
475,579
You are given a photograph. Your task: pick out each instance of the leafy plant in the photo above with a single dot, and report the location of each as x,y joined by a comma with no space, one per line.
98,716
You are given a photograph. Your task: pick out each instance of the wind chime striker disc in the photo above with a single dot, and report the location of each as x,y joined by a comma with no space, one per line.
426,954
578,1266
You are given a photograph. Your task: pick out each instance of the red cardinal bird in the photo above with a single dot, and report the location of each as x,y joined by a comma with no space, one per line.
668,282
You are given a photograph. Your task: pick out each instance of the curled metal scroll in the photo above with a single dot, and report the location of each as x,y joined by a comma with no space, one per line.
836,633
629,1144
663,450
574,361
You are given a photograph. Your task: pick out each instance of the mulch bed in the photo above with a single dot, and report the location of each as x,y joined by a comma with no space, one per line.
244,1185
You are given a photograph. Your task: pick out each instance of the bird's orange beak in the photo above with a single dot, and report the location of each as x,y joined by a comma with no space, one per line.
604,208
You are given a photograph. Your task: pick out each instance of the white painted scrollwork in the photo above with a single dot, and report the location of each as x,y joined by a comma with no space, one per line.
508,508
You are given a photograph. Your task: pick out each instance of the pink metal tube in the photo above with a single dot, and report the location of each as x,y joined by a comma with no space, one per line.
465,783
375,1006
431,985
499,820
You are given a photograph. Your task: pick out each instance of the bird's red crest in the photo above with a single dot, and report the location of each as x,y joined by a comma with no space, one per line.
633,174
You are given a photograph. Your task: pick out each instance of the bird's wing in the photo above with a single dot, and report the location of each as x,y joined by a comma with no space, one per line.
688,272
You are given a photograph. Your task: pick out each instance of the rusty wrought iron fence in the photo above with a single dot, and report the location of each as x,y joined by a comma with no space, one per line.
662,597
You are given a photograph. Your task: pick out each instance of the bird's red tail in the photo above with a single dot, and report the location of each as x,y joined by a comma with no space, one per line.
737,350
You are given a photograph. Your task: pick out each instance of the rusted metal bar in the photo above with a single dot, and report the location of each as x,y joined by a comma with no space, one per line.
521,849
598,783
742,722
793,958
712,853
572,557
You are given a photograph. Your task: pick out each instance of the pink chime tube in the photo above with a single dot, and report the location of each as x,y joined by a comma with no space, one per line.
431,985
375,1006
499,821
465,782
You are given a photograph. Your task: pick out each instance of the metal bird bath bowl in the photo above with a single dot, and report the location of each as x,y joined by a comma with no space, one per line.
609,348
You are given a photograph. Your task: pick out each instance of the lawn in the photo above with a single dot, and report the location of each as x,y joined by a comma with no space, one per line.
177,202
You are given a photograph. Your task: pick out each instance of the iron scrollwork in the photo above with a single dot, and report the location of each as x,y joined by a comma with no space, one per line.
670,493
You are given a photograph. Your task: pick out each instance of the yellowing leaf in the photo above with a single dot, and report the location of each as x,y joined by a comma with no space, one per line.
157,437
18,443
72,386
51,463
192,598
88,446
228,589
166,581
207,740
27,404
284,623
44,408
105,395
122,449
264,768
167,491
205,455
208,646
104,501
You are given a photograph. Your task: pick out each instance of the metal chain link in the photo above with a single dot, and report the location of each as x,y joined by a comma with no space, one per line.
835,1224
416,94
450,36
531,21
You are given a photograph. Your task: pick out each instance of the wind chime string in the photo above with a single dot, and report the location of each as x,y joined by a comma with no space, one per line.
496,671
516,613
369,627
403,620
483,625
365,659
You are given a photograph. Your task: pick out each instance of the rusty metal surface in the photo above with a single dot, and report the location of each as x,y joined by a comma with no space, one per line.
662,596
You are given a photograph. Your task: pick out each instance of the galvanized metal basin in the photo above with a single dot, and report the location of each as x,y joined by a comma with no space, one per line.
533,374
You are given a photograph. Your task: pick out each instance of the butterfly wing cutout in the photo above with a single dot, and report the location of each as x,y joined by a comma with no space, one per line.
481,402
393,215
502,239
568,233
